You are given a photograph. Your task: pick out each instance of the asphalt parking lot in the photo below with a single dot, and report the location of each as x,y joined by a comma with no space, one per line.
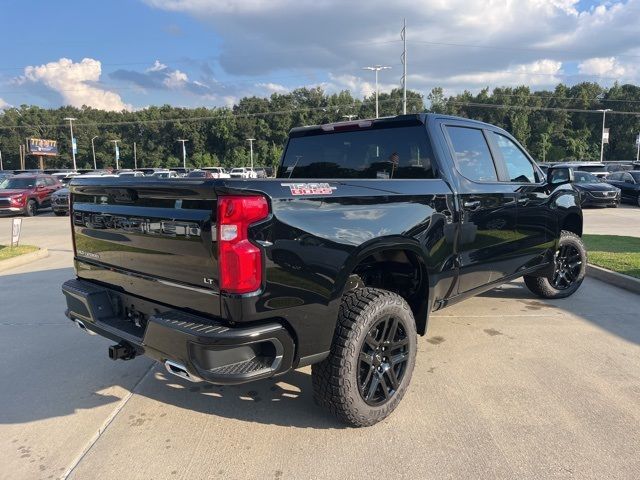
506,386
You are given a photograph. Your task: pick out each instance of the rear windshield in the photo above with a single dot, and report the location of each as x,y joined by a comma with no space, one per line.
593,168
384,153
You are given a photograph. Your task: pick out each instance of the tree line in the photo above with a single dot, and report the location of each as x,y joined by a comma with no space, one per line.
553,125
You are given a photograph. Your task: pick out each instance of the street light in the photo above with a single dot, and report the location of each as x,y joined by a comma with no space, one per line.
251,140
604,114
184,153
73,150
377,68
117,154
93,149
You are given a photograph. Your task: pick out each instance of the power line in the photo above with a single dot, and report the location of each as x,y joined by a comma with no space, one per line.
302,110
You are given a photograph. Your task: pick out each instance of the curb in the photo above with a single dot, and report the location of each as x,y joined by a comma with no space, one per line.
23,259
613,278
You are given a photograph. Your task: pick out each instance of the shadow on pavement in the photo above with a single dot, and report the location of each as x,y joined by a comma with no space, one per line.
51,369
607,307
284,401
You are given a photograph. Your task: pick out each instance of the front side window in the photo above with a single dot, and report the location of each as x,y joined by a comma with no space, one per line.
519,168
472,154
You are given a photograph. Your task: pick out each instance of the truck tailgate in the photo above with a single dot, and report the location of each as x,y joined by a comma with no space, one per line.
149,238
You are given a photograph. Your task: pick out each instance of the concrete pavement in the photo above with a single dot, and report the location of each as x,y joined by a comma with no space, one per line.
624,220
505,386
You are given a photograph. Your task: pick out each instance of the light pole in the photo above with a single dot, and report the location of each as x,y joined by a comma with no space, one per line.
604,114
184,153
117,152
377,68
93,150
251,140
73,149
1,167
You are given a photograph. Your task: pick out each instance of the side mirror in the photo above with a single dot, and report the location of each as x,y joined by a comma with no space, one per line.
559,176
39,187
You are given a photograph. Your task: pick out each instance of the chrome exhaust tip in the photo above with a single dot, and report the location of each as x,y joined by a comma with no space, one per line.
179,370
80,324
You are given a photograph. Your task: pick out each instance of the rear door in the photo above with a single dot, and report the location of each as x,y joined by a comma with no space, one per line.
486,245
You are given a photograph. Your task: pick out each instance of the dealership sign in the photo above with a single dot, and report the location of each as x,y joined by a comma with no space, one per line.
40,146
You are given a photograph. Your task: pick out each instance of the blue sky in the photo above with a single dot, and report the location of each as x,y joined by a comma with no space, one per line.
211,52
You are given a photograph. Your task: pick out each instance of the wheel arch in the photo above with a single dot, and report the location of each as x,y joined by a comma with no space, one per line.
572,222
397,264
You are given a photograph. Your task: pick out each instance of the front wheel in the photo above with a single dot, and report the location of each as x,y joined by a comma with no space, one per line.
371,360
31,209
569,268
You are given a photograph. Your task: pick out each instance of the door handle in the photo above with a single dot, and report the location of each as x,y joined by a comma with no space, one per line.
473,205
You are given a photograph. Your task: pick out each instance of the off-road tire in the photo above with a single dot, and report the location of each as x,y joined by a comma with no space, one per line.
543,286
336,380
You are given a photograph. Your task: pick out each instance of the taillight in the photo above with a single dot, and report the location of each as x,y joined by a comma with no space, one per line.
239,260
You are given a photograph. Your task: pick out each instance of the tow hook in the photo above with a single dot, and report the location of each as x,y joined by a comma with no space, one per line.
122,351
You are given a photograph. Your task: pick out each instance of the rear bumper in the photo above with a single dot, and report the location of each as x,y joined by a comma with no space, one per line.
209,350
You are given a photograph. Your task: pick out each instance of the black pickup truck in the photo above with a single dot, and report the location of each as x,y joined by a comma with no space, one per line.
336,263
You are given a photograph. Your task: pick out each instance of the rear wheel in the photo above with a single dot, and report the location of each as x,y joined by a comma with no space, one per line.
372,358
570,265
60,214
31,209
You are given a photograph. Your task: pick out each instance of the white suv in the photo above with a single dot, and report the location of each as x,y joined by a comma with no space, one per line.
243,172
217,172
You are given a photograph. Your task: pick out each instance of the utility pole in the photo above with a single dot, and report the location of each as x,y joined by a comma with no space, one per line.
349,117
135,157
93,150
377,68
73,142
251,140
184,153
1,167
117,154
637,152
604,114
403,36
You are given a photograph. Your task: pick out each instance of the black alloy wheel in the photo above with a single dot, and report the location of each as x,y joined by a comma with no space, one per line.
568,264
383,360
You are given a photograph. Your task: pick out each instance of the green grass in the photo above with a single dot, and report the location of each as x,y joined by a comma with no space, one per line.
7,252
613,252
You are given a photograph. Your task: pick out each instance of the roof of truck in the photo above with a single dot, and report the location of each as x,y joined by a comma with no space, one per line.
415,118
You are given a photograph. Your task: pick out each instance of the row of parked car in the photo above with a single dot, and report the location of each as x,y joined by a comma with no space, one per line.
27,192
601,184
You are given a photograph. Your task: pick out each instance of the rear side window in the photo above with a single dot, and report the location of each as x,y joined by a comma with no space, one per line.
519,168
383,153
472,154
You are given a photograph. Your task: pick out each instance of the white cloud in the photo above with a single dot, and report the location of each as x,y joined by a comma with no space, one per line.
157,67
75,82
533,38
176,80
538,73
273,87
603,66
3,104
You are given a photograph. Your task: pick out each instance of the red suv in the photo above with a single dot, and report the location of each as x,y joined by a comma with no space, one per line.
27,193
